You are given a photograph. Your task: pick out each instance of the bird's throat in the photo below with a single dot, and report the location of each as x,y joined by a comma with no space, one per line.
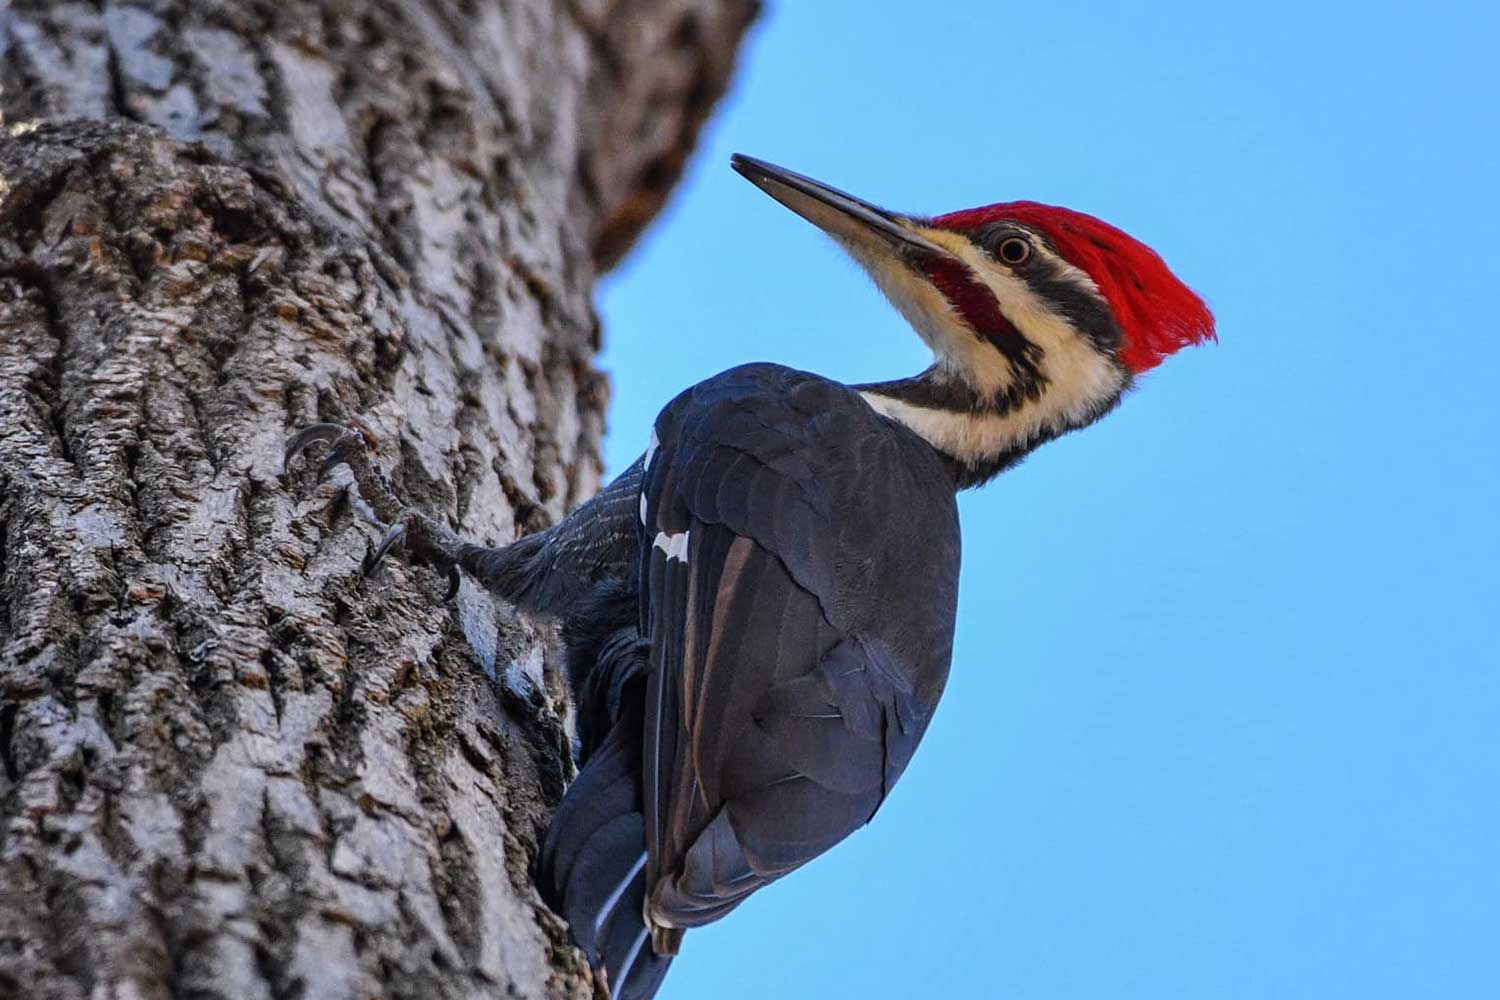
979,438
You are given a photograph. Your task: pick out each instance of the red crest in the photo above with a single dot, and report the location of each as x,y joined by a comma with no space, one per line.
1157,313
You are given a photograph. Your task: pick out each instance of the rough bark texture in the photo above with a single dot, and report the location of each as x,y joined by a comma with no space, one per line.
231,766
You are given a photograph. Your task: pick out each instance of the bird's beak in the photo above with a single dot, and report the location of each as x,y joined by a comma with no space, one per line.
899,252
860,226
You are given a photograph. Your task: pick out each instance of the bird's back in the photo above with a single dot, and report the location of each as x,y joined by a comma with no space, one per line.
860,510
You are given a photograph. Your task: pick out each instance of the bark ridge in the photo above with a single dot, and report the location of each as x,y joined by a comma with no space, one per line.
229,766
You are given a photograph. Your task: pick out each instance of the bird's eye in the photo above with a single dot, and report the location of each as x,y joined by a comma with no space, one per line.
1014,250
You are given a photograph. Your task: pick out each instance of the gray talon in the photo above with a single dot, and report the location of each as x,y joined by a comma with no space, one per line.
373,501
306,436
337,455
393,536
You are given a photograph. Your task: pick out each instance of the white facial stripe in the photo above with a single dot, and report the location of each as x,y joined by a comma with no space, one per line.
1067,354
1065,270
1079,378
953,342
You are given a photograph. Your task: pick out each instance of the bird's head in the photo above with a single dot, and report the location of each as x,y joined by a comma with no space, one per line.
1038,317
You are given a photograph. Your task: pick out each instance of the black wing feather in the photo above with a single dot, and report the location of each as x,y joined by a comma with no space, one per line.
790,678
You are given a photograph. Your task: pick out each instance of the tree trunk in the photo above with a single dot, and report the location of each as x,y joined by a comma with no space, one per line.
232,766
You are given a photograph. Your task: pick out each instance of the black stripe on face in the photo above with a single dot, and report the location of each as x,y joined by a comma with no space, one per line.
1047,277
975,302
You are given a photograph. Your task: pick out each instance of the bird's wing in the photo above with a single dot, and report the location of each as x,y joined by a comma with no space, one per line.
771,732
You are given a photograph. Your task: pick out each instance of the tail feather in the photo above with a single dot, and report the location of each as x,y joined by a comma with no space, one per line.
603,796
592,867
592,864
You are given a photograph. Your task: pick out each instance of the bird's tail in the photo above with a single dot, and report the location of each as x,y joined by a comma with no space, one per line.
593,863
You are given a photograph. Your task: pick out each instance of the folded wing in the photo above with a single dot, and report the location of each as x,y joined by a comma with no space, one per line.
774,726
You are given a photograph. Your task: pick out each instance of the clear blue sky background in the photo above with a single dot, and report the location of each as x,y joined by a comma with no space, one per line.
1224,717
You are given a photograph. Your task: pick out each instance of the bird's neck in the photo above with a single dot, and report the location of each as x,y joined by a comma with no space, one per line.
979,436
944,411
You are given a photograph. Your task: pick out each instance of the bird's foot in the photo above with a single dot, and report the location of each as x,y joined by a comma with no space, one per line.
419,536
423,540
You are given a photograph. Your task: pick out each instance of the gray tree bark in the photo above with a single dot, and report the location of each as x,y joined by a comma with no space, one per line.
233,767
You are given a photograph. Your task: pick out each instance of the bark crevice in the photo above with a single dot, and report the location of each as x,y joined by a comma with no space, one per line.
230,766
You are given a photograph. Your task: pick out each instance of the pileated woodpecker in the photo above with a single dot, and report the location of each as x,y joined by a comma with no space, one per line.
759,612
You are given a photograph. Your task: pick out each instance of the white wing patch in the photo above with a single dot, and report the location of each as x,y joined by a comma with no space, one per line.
651,448
675,546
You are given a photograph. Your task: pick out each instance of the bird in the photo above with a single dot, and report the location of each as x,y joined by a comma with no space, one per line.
758,614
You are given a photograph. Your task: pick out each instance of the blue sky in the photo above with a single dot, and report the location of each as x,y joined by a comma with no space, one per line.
1224,717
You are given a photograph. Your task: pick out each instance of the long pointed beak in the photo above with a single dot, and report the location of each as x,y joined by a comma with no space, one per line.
842,216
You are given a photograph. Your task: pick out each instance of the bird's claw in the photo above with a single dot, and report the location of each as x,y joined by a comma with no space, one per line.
298,442
392,538
349,445
408,529
423,540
